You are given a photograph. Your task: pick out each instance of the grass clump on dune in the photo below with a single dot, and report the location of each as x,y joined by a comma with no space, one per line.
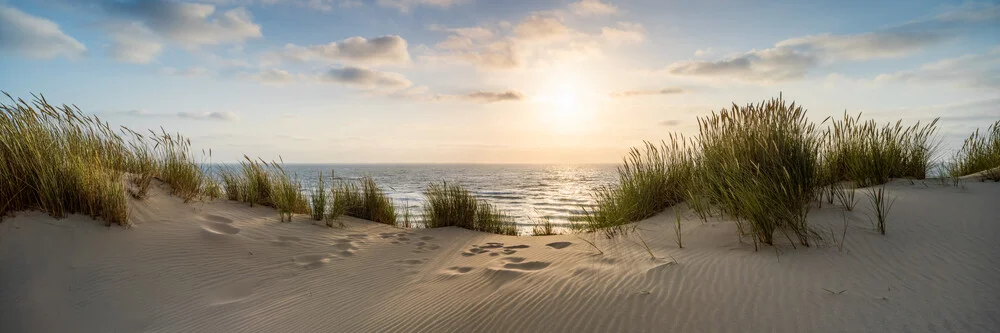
452,205
648,182
868,154
60,161
980,152
367,202
265,184
758,163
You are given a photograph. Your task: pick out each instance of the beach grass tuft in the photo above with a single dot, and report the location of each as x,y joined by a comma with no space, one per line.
979,153
366,202
61,161
452,205
868,154
257,182
649,181
758,163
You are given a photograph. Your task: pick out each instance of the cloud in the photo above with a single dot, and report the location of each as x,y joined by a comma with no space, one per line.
625,33
390,49
35,37
366,77
635,93
773,64
133,43
188,24
669,123
793,58
592,8
541,26
499,55
404,6
216,115
490,96
189,72
973,71
273,76
871,45
473,33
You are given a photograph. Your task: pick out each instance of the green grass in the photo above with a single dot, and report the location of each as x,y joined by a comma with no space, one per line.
869,154
367,202
267,184
648,182
758,163
318,199
452,205
544,229
979,152
61,161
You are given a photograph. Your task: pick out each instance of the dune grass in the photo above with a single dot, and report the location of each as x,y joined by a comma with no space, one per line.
257,182
319,200
452,205
868,154
544,229
61,161
648,181
366,202
880,206
980,152
758,163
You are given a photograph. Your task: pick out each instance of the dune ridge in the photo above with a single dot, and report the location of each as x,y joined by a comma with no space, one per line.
221,266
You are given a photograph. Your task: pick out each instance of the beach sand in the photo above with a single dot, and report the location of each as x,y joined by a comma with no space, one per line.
222,266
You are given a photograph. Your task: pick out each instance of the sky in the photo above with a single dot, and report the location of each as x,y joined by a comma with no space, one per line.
491,81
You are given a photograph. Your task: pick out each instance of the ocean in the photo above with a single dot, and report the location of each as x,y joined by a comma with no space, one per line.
529,193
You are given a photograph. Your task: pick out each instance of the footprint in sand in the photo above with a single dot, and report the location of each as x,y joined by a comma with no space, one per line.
559,245
508,252
312,261
220,219
286,240
232,292
527,266
522,246
492,246
411,261
346,248
358,236
426,238
460,269
213,228
519,264
387,235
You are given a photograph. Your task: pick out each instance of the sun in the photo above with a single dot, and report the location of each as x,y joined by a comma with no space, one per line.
565,105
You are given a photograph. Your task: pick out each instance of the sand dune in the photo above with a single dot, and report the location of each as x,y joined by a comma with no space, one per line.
225,267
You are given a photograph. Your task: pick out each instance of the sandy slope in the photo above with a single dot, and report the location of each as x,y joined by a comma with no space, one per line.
222,266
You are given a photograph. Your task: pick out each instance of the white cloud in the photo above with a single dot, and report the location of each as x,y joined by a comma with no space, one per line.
367,78
215,115
648,92
273,76
773,64
384,50
793,58
974,71
592,8
188,24
491,96
134,43
405,5
625,33
35,37
540,26
871,45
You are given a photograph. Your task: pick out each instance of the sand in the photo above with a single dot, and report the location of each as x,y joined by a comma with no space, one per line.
225,267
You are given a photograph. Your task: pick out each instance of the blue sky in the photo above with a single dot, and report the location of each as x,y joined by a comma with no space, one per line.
481,81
